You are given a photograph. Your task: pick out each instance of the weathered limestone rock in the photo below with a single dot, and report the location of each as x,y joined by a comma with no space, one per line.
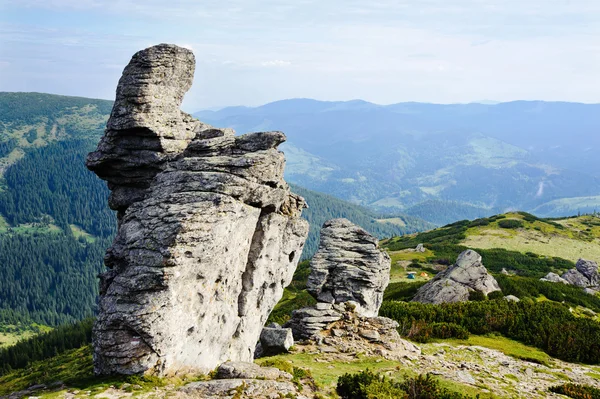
420,248
371,336
348,276
590,270
554,278
209,232
455,283
244,380
512,298
349,266
275,340
576,278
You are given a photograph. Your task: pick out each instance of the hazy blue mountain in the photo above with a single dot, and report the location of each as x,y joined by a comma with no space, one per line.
494,157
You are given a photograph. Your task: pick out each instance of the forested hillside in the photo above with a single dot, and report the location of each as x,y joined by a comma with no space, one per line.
54,222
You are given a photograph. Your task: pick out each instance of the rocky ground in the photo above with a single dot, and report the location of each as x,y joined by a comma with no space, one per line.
472,368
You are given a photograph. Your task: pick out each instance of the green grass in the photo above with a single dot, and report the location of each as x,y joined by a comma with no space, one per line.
507,346
578,239
12,334
74,368
326,372
78,232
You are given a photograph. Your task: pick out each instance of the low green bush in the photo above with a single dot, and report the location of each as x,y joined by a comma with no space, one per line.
495,295
577,391
510,224
368,385
477,296
546,325
425,332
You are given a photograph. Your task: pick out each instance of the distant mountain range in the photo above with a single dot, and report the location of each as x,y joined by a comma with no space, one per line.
437,160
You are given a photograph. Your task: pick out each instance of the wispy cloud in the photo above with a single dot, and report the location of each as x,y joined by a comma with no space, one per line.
254,51
276,63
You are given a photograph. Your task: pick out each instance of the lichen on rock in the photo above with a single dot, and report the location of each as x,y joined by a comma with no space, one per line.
209,232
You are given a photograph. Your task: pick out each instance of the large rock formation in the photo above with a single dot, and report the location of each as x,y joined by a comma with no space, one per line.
349,266
455,283
348,270
209,232
585,274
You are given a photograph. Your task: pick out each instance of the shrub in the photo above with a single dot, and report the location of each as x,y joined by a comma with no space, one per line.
423,332
477,296
546,325
353,386
510,224
479,222
368,385
495,295
402,291
577,391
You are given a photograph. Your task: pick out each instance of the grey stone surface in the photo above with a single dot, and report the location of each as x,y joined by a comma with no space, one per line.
230,370
590,270
554,278
455,283
274,341
512,298
420,248
576,278
209,232
349,266
241,389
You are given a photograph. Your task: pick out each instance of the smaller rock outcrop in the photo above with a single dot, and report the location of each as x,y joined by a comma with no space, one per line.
512,298
348,277
584,275
554,278
574,277
348,270
371,336
420,248
349,266
244,380
274,340
455,283
590,270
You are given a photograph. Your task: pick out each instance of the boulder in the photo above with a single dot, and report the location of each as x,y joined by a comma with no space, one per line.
576,278
246,370
274,341
420,248
349,266
590,270
455,283
209,233
512,298
554,278
241,389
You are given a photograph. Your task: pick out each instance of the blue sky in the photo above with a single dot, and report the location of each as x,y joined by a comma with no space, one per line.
251,52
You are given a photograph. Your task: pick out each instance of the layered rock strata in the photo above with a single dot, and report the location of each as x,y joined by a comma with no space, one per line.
348,271
349,266
455,284
209,232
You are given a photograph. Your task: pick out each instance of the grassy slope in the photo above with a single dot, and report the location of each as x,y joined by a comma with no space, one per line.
579,239
12,336
569,238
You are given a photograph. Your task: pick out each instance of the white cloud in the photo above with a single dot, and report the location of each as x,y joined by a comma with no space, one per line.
275,63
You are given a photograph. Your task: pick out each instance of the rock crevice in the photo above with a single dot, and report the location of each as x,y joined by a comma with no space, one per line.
209,232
